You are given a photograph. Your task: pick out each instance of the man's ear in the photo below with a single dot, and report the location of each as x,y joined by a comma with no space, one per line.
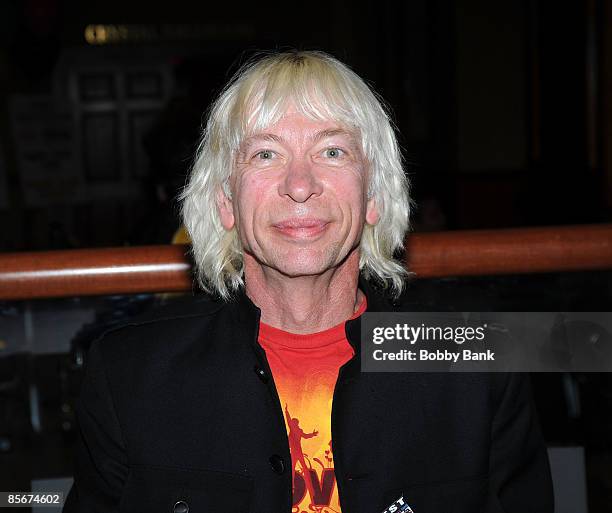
226,210
372,214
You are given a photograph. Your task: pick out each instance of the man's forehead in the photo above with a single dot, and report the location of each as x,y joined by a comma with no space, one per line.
314,135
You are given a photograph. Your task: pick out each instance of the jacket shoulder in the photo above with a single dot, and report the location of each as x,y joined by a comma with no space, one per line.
172,323
181,307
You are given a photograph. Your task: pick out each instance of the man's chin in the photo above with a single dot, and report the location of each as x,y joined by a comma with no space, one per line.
298,268
297,264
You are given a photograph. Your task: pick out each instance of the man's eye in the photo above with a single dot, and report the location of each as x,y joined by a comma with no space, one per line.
265,154
333,153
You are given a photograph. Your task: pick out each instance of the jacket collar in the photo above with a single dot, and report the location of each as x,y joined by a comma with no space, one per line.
377,301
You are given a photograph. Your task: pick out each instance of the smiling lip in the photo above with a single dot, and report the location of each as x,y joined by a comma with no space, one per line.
301,228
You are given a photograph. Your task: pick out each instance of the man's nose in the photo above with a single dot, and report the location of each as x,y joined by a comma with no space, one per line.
300,182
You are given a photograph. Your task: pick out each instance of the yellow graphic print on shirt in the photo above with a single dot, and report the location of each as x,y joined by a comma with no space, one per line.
305,369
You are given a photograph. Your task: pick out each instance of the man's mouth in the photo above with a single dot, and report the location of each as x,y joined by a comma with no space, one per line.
301,228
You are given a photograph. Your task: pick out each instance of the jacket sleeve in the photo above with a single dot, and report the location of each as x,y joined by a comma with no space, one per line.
100,459
519,469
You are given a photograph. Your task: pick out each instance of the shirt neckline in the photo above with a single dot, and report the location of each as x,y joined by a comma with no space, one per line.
277,337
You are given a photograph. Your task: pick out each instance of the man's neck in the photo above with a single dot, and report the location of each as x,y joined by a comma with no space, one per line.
304,304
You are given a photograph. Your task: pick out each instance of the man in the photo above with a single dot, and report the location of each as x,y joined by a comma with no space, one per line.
296,204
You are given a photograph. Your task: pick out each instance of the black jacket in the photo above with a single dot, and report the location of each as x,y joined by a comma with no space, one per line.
180,413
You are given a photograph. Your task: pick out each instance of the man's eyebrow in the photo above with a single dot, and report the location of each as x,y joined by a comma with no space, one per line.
261,137
318,136
331,132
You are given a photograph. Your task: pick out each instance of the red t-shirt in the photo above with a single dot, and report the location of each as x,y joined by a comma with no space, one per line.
305,368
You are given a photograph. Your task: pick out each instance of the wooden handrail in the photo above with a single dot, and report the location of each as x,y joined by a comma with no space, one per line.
129,270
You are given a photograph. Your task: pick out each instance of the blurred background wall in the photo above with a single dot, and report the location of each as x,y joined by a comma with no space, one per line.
503,107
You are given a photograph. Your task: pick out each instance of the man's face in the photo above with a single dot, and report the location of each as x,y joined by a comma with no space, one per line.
299,195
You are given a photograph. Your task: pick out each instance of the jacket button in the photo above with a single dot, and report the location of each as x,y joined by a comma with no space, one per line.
261,374
180,507
278,464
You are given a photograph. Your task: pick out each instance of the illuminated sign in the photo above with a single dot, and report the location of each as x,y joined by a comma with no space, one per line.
117,34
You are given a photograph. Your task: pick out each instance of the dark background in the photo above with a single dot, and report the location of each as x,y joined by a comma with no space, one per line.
504,110
504,107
